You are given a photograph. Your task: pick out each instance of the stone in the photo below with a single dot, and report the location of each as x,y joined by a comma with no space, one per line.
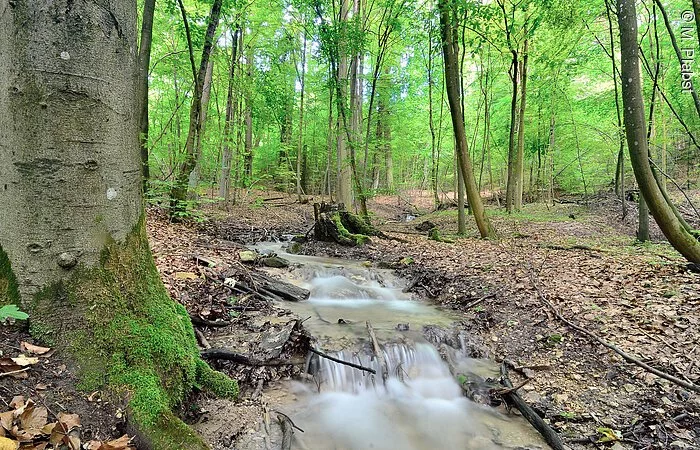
248,256
274,261
67,260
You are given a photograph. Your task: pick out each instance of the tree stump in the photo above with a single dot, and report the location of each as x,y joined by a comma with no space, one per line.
335,224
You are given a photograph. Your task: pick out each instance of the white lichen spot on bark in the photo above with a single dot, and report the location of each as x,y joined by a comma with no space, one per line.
111,194
65,55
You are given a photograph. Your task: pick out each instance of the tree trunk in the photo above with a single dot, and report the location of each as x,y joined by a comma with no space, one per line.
73,245
519,161
225,180
344,192
300,144
643,225
512,173
431,122
248,120
144,62
633,107
194,176
452,87
178,193
461,213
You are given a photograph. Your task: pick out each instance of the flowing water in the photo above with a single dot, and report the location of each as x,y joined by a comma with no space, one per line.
420,406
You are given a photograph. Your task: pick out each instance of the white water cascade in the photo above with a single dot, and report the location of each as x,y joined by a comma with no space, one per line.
420,406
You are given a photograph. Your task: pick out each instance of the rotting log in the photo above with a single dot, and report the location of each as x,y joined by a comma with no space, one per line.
334,224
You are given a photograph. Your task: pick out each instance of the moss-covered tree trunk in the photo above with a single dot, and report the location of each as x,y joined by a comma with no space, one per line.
73,247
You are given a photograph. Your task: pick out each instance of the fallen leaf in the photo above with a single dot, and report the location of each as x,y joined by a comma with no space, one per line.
34,418
69,421
23,361
117,444
8,444
9,368
33,349
185,276
6,419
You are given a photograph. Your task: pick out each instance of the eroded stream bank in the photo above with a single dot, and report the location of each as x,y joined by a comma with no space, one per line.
418,405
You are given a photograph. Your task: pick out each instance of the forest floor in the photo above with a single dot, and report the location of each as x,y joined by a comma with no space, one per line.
580,258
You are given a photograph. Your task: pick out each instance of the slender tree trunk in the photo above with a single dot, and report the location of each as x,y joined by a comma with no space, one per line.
519,162
431,121
144,62
225,183
550,164
193,181
178,194
633,107
512,152
461,212
248,119
452,86
300,144
643,226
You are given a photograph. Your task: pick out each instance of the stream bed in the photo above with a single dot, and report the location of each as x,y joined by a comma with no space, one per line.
420,406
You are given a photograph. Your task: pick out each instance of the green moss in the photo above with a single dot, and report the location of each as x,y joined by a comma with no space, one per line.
347,237
434,235
126,334
9,290
215,382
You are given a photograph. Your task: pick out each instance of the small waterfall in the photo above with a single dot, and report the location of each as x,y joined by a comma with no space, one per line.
404,362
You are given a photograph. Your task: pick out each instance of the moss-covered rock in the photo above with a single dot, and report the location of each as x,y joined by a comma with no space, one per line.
125,333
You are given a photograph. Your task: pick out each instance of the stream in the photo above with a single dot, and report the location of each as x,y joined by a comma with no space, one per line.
420,406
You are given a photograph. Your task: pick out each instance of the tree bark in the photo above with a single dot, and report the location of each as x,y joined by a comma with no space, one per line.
633,107
520,156
193,180
144,62
73,245
452,87
512,173
178,193
344,192
227,158
248,120
300,144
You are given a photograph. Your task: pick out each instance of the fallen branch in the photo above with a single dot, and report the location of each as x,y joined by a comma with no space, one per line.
512,398
14,372
239,358
481,299
202,339
378,353
287,431
202,322
340,361
623,354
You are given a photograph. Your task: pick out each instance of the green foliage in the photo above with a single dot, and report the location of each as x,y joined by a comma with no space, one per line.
12,312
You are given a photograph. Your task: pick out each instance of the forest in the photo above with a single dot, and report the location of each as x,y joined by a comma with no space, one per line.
349,224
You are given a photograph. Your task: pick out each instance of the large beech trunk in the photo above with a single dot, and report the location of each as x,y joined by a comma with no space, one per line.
73,247
635,128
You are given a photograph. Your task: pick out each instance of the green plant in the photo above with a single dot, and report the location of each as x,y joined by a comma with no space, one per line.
12,312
